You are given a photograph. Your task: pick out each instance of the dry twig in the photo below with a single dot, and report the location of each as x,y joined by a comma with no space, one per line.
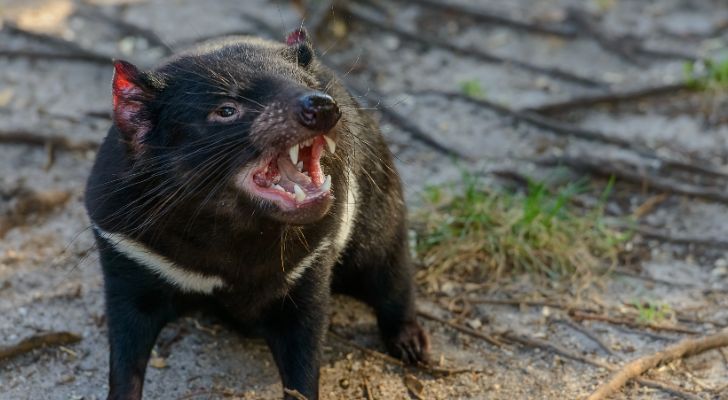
462,328
73,50
56,141
611,98
368,18
126,28
482,15
632,174
581,316
430,369
626,46
556,349
634,369
567,129
44,55
38,341
589,334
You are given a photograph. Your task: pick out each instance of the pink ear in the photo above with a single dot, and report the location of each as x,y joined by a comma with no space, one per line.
296,37
131,116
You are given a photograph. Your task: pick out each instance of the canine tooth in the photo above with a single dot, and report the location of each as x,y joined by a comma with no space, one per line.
293,152
326,185
278,187
300,194
299,166
330,144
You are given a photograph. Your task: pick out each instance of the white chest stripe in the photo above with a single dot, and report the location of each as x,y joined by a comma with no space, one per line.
307,261
348,215
186,281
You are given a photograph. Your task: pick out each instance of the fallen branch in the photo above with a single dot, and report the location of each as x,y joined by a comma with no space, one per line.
368,18
632,174
71,48
482,15
611,98
567,129
519,302
44,55
581,316
625,46
55,141
38,341
556,349
126,28
634,369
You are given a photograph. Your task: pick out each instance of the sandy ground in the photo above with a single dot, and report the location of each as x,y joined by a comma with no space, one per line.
50,278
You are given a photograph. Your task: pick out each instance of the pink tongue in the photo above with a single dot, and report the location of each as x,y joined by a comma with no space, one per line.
289,172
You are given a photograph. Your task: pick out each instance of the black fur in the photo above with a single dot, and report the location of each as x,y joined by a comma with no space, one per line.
164,177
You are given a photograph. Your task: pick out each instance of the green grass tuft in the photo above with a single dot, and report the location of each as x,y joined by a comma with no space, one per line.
707,74
473,230
472,88
650,312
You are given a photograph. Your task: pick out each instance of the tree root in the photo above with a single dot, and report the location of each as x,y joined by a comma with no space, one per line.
634,369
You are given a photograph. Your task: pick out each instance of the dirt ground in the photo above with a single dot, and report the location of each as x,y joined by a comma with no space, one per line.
49,274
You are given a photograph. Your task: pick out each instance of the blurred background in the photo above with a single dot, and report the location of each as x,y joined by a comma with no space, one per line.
565,164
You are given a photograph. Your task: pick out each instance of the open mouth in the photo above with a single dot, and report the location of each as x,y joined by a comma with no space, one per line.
293,178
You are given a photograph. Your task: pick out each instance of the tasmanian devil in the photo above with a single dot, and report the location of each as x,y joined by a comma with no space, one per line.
241,173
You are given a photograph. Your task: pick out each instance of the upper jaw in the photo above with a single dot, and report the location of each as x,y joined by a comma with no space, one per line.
291,177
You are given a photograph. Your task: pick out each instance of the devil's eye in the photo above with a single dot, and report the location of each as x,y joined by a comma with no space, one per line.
226,112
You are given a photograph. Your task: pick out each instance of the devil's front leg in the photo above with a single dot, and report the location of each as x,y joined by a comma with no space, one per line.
138,305
294,331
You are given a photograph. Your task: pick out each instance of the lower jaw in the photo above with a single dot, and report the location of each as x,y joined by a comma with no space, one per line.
312,212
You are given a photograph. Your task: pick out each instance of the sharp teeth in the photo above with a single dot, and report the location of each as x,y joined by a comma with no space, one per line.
299,166
326,185
279,187
330,144
308,142
300,194
293,152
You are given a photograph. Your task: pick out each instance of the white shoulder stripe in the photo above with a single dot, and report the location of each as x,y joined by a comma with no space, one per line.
187,281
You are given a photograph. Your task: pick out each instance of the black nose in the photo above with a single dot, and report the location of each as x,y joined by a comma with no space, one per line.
318,111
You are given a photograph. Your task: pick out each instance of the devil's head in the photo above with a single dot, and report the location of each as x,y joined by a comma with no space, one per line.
234,124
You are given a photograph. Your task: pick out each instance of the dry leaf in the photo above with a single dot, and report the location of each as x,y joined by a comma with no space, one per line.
158,362
415,387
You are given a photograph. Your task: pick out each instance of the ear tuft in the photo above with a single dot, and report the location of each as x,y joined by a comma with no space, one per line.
130,98
301,45
298,36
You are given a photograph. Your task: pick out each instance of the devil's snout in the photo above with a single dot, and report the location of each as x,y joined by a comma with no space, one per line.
318,111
